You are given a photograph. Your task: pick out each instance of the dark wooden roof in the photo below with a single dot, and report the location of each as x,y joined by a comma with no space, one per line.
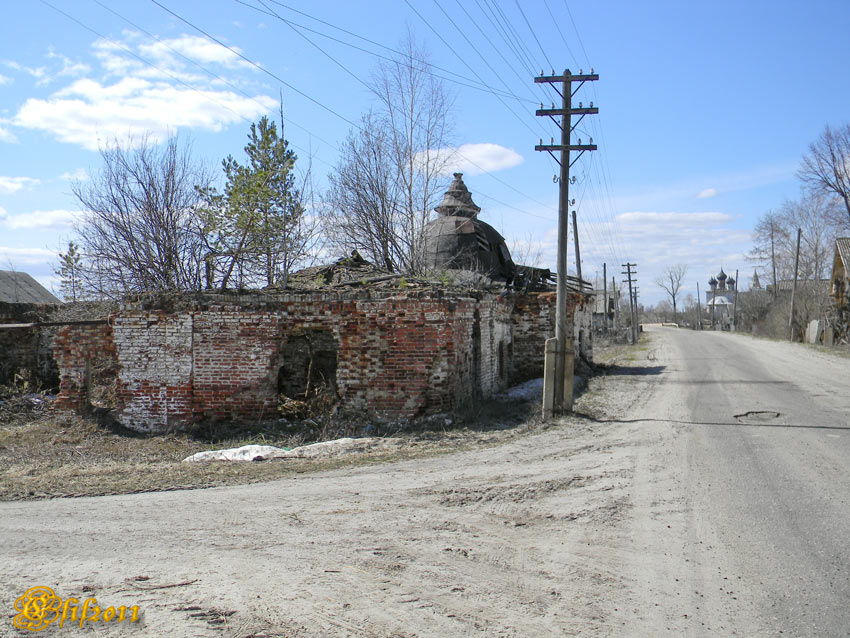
19,287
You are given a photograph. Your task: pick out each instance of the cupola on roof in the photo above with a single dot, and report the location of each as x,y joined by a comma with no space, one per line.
458,200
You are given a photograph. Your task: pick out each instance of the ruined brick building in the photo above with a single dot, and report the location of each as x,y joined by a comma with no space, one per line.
383,346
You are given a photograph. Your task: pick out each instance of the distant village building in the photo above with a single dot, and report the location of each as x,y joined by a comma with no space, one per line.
25,351
840,279
20,287
720,300
755,284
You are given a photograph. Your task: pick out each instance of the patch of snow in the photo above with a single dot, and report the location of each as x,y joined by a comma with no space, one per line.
312,451
528,391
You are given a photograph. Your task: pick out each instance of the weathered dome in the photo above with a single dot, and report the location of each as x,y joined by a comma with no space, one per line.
721,276
712,282
458,200
458,240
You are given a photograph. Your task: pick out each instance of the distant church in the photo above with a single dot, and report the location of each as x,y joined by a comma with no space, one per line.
720,298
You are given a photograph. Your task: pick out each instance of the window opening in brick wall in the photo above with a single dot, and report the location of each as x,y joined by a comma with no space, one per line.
308,362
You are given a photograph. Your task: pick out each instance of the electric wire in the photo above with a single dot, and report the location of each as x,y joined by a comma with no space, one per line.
467,82
474,48
533,33
206,70
254,64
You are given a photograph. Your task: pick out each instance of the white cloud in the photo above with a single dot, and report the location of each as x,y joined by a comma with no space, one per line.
40,220
708,192
69,68
474,159
7,136
4,79
703,241
17,256
11,185
36,72
196,48
79,174
142,100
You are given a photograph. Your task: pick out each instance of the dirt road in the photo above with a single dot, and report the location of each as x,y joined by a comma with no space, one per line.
664,515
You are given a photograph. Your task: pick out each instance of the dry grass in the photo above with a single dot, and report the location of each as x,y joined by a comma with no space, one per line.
44,456
49,457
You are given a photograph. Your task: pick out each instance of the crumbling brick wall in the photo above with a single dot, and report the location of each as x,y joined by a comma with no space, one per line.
388,354
27,350
81,352
533,321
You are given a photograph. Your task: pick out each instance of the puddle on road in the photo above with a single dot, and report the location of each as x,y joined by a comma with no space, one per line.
757,416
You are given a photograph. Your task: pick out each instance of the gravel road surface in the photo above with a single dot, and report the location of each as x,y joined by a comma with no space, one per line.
707,496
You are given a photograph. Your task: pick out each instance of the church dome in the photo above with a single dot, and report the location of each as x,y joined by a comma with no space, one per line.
712,282
458,240
721,276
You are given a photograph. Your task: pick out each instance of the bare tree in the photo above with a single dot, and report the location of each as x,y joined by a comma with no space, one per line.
391,173
140,230
814,214
671,281
826,167
364,211
771,245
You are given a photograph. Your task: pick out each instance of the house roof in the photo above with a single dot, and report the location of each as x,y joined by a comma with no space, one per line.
787,285
19,287
842,245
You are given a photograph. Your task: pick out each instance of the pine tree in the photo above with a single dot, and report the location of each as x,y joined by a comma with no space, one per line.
70,273
257,226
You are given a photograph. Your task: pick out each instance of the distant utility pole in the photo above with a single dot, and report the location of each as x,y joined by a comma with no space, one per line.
605,295
578,252
699,309
794,289
735,307
616,303
560,355
632,299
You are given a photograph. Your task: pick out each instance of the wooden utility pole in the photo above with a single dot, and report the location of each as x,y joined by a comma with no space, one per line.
699,310
560,354
794,289
605,294
632,304
616,304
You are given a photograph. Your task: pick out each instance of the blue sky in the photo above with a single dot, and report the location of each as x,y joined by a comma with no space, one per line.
705,108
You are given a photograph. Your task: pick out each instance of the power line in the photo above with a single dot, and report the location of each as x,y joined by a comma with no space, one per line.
467,82
206,70
254,64
528,24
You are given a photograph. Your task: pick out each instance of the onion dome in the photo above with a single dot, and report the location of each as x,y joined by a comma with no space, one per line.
730,282
458,200
721,276
712,282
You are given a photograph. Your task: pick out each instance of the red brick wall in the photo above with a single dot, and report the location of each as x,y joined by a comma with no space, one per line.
74,347
398,354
